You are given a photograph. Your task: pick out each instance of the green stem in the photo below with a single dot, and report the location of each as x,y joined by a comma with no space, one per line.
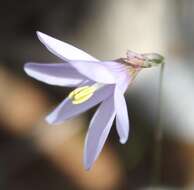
158,135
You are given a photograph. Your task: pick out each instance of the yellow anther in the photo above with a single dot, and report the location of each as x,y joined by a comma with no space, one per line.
77,90
84,92
81,94
81,100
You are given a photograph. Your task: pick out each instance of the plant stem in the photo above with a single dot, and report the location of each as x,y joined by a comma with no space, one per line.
158,134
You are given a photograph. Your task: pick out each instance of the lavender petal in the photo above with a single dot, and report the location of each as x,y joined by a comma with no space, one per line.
55,74
94,71
98,131
63,50
122,120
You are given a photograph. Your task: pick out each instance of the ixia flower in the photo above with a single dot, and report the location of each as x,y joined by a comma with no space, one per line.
95,82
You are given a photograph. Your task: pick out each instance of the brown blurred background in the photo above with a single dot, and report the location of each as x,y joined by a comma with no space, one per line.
34,155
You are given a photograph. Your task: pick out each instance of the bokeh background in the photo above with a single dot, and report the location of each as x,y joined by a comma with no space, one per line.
34,155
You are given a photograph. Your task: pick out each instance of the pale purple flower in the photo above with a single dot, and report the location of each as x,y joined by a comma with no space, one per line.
96,82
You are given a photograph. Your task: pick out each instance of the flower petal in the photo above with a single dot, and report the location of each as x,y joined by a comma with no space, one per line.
120,73
63,50
55,74
94,70
67,110
124,81
122,120
98,131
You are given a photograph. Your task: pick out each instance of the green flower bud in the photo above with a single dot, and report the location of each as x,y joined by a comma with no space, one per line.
152,59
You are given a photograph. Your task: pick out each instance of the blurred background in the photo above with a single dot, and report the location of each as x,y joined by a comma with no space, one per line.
34,155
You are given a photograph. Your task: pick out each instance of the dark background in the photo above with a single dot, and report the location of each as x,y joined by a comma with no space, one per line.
34,155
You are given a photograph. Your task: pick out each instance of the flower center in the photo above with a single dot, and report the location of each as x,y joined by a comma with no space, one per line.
82,94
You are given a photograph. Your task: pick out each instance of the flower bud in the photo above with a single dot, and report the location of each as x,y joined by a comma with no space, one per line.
152,59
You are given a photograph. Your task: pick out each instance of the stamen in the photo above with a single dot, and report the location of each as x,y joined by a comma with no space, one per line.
82,94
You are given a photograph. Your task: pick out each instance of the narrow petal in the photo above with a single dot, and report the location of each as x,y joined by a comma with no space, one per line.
55,74
67,110
122,120
94,70
63,50
98,131
123,81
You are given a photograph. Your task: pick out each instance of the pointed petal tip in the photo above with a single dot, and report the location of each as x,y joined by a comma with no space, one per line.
123,140
27,68
50,120
39,34
45,39
87,165
86,159
87,168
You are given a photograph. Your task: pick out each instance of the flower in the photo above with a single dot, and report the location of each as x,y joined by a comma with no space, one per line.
103,82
